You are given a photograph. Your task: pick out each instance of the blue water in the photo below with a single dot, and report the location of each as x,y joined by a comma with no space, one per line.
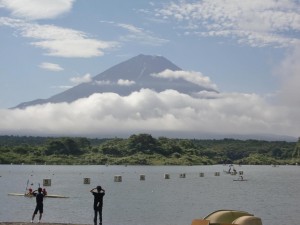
271,193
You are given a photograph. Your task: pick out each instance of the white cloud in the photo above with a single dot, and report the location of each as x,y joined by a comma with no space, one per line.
190,76
37,9
122,82
83,48
102,82
84,79
253,22
58,41
148,111
51,66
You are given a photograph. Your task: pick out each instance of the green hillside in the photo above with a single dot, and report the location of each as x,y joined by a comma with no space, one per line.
143,149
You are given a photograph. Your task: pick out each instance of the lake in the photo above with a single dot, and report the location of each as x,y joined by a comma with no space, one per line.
271,193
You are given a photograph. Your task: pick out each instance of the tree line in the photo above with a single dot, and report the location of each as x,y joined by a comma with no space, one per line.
144,149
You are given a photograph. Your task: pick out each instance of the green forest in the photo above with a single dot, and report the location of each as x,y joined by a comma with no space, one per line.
143,149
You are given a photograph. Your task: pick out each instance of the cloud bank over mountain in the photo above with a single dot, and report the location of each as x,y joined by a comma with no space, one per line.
166,113
186,112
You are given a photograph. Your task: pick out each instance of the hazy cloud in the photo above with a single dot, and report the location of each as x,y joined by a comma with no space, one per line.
58,41
138,34
51,66
289,92
37,9
190,76
84,79
148,111
255,23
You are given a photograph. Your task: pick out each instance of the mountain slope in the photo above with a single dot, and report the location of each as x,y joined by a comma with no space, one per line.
123,79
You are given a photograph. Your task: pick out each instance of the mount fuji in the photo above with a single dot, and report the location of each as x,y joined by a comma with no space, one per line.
127,77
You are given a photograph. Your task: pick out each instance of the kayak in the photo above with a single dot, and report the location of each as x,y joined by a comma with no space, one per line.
30,196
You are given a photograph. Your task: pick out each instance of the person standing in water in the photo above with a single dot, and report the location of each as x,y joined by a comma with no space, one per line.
98,193
39,204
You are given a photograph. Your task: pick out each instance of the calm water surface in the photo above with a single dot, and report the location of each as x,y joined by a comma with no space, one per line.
272,193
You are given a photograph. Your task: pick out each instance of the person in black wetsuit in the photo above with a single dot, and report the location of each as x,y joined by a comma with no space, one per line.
39,203
98,203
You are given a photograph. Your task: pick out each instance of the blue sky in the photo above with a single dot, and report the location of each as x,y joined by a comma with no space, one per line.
248,49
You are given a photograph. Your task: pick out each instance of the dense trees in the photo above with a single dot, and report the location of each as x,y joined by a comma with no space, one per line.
145,149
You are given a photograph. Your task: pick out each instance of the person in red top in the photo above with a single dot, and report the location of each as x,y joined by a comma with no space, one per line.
98,203
29,192
44,191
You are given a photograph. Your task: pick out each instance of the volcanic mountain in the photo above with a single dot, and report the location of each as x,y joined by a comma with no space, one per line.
125,78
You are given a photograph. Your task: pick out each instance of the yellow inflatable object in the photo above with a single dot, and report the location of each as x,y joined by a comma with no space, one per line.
227,217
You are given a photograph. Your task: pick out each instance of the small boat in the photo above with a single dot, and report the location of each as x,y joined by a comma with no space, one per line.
30,196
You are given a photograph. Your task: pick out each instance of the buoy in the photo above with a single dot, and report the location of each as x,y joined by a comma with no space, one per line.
167,176
201,174
217,174
86,180
182,175
118,178
142,177
46,182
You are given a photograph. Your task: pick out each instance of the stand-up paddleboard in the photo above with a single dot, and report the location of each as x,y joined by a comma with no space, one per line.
240,180
30,196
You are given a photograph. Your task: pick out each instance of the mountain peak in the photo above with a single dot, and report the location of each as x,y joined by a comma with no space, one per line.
124,78
137,67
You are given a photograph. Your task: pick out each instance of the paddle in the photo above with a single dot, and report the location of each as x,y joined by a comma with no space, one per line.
26,186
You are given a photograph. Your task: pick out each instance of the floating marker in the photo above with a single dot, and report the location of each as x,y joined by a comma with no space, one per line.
217,174
118,178
86,180
46,182
167,176
201,174
182,175
142,177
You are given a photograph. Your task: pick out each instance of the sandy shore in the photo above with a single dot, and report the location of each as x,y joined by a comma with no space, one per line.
28,223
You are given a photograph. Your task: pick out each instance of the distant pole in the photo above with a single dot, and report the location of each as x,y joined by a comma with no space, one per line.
26,186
